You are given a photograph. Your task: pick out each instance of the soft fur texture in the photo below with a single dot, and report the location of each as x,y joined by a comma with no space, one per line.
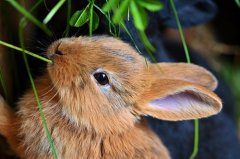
89,120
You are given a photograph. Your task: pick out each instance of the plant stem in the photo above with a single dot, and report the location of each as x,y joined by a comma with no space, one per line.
196,139
66,34
91,18
108,17
25,51
53,11
21,27
149,47
180,31
30,17
196,121
122,25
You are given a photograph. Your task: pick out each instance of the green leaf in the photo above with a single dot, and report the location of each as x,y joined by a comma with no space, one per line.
151,5
110,5
53,11
79,18
139,16
95,21
121,12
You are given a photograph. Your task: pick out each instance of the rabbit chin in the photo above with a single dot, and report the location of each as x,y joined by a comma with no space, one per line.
91,115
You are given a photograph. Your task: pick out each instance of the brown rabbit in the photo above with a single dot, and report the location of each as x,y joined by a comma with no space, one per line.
93,97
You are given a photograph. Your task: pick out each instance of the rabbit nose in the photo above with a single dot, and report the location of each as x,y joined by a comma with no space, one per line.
54,50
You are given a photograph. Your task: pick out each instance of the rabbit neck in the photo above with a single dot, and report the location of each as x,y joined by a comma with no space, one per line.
138,142
71,142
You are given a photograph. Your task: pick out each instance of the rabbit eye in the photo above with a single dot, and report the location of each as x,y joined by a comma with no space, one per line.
101,78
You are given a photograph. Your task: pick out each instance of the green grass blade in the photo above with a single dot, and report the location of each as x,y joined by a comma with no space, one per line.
180,31
133,41
53,11
196,139
21,27
40,109
196,121
29,16
36,5
32,9
69,8
91,19
130,36
25,51
107,16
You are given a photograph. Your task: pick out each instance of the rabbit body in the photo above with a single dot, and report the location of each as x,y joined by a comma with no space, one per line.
77,141
93,97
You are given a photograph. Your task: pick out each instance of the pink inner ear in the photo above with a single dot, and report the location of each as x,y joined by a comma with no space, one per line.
179,101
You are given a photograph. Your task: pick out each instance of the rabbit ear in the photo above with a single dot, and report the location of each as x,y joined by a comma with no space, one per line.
178,100
186,72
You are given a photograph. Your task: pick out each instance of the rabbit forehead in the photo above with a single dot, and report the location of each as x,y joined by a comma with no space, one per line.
86,55
107,51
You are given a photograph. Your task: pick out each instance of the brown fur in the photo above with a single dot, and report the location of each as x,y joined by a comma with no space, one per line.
87,120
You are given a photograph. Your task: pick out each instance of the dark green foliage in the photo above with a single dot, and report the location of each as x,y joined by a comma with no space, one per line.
137,8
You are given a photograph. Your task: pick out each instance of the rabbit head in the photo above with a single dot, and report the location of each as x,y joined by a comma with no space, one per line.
104,85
